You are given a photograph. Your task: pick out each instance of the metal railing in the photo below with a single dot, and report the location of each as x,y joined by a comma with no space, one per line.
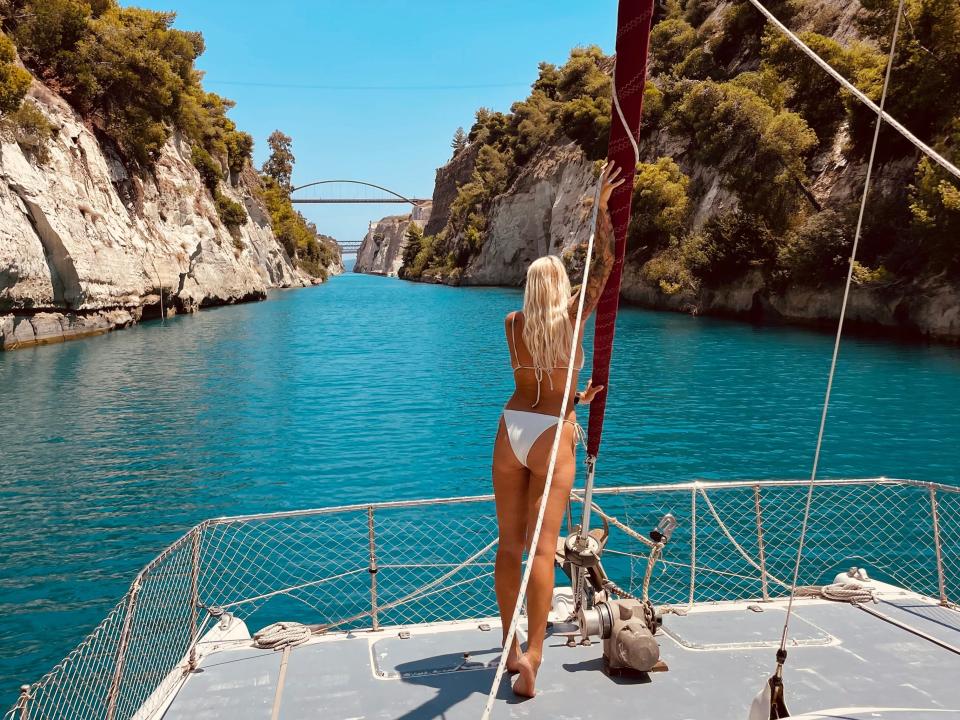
407,562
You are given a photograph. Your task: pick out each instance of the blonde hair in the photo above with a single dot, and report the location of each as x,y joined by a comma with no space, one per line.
547,330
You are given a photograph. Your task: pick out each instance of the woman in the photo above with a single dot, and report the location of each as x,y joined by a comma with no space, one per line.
539,339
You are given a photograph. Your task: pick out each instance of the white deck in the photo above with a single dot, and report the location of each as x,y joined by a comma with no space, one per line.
718,656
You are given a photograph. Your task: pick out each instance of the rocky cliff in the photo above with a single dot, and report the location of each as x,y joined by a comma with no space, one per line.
87,245
381,251
546,210
521,189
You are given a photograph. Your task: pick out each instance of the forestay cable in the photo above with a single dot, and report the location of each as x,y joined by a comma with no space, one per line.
881,115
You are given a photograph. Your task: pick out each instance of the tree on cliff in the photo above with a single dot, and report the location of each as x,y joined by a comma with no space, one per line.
14,81
459,141
279,165
414,244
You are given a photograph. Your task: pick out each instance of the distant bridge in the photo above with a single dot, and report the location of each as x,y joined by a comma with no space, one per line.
318,193
351,247
350,192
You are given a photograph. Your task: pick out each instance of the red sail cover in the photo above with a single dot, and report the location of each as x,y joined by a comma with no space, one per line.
633,39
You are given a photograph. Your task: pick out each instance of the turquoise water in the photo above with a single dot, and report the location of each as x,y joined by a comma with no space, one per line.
369,388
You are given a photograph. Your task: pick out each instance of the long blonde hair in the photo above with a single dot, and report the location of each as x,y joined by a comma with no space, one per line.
547,330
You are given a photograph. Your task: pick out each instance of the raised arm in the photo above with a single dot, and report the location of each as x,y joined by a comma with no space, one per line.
603,243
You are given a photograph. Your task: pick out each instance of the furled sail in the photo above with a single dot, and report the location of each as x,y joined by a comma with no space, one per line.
633,39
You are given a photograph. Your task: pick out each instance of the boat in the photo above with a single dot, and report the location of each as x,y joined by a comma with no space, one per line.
400,620
683,598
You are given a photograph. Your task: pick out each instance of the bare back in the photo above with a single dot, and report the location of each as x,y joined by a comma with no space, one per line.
539,392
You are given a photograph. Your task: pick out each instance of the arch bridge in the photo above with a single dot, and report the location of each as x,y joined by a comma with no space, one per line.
351,192
348,192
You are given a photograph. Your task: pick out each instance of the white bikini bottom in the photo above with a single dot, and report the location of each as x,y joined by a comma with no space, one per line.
525,428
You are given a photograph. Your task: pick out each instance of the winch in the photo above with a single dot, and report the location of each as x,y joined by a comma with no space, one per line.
627,625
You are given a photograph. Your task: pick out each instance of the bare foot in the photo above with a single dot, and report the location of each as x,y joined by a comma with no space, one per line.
513,659
525,685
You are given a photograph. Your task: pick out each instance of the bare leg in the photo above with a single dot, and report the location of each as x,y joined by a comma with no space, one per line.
540,590
510,483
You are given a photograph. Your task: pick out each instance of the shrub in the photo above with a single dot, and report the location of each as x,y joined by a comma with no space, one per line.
422,260
761,150
311,252
673,269
232,214
30,129
660,207
862,275
210,171
14,80
696,11
934,201
132,71
654,105
742,31
926,72
414,237
732,244
670,42
817,96
817,251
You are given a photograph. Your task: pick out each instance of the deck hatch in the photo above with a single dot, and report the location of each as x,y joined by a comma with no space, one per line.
741,629
434,654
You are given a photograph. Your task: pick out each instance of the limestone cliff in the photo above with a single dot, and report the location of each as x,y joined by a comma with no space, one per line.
517,200
87,245
381,251
546,210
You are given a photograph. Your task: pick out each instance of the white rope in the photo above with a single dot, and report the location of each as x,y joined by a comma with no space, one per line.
623,118
840,592
843,312
737,546
892,121
525,580
281,635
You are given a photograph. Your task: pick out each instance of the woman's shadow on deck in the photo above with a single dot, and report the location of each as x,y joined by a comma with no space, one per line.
457,676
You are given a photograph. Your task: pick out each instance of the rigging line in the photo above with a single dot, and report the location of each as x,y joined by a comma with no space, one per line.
892,121
535,538
843,312
361,88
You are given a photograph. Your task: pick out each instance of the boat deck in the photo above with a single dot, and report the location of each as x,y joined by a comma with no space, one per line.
719,655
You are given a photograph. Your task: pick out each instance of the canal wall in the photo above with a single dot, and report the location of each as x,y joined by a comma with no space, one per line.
89,244
381,250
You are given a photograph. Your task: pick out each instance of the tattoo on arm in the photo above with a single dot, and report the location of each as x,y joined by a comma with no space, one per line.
601,265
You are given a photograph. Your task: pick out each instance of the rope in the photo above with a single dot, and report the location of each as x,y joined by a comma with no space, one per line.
839,592
892,121
836,344
554,451
281,635
739,548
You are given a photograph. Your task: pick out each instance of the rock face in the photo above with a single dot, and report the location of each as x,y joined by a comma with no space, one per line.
546,210
381,251
449,178
87,246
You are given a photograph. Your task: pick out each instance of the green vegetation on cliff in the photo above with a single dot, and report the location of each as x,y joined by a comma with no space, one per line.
309,249
132,76
748,116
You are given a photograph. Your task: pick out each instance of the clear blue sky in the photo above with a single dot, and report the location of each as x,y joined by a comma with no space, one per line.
395,137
